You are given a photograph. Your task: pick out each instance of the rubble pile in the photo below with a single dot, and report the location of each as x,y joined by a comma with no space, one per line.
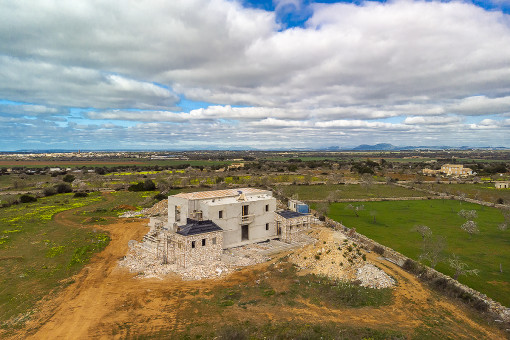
158,209
373,277
332,255
142,259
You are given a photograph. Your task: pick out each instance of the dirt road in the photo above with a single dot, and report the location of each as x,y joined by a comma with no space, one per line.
107,302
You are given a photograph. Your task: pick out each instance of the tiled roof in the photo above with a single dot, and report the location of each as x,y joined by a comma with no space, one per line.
290,214
194,227
218,193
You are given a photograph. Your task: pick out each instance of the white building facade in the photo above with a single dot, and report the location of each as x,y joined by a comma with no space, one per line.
246,215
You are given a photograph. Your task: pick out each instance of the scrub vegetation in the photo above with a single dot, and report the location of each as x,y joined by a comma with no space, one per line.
40,252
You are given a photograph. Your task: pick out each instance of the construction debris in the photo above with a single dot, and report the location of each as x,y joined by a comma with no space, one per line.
334,256
373,277
142,259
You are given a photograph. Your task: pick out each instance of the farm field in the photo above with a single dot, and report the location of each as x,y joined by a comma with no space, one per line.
348,191
107,164
483,191
391,224
45,242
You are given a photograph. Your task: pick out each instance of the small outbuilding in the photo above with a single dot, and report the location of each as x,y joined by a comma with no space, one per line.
290,222
502,185
197,242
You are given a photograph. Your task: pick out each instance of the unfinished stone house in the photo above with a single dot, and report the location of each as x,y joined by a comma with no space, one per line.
201,224
246,215
288,223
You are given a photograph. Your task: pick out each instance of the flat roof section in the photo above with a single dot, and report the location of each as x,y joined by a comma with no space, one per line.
200,195
290,214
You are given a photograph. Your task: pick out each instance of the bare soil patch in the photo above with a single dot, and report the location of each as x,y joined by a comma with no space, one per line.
106,301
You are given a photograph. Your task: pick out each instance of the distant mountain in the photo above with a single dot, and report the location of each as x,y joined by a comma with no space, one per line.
390,147
380,146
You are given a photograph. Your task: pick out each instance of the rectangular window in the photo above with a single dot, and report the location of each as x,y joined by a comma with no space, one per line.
214,240
220,214
267,226
203,242
192,244
177,213
245,210
267,207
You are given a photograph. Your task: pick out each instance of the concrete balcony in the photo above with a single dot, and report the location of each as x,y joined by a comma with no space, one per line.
247,219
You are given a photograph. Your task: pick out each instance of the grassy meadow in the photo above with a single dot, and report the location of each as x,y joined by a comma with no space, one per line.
391,224
38,254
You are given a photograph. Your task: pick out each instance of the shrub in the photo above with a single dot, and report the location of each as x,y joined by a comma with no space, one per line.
413,267
68,178
49,192
27,199
80,194
63,188
148,185
160,197
378,249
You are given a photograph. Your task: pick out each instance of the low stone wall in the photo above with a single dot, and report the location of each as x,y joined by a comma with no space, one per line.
379,199
441,195
495,308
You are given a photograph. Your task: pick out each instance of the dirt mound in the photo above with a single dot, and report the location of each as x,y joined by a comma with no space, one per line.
123,207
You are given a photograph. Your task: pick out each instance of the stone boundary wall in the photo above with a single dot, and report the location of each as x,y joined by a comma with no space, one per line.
494,307
459,198
379,199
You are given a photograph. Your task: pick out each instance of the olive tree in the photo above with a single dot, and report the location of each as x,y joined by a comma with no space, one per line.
460,267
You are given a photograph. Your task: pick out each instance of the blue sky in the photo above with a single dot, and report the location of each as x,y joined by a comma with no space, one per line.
253,74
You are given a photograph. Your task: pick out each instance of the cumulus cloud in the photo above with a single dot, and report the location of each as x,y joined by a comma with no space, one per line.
349,69
482,105
431,120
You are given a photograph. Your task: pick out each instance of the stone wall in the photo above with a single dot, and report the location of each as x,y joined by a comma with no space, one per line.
291,226
441,195
380,199
184,254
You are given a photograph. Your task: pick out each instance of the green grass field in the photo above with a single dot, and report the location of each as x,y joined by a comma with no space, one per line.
391,223
350,191
38,255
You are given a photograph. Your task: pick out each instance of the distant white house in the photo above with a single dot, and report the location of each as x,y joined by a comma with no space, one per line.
456,170
502,185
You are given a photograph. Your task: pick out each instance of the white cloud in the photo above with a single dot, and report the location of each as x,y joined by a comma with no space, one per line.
350,66
431,120
482,105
